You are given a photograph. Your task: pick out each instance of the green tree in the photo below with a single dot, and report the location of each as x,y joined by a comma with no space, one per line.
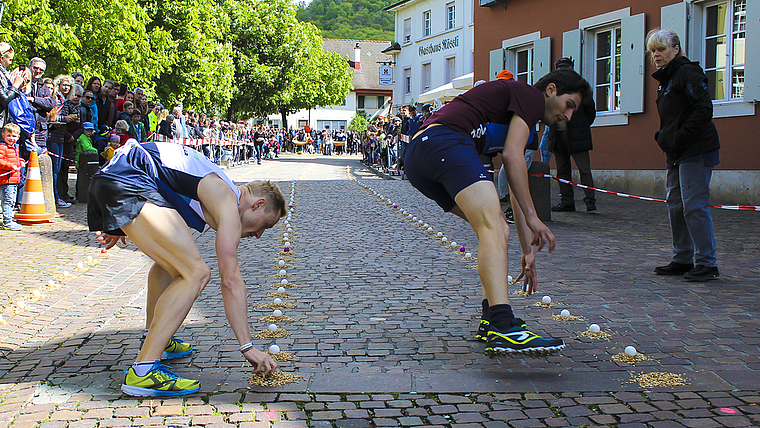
264,39
320,79
359,123
349,19
201,68
97,37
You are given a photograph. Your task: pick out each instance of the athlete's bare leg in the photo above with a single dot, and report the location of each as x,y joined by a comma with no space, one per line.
158,280
162,235
479,203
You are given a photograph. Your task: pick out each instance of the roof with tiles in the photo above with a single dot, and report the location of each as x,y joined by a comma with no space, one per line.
368,78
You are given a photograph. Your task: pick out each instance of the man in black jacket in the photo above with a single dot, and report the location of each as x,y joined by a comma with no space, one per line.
41,99
574,141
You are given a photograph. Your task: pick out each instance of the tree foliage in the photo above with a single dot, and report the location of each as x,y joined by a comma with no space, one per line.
231,57
200,71
359,123
95,37
280,64
349,19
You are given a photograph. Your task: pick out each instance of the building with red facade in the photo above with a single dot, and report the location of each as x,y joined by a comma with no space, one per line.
605,38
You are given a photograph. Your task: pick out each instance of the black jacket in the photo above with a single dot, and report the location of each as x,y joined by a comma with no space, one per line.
686,110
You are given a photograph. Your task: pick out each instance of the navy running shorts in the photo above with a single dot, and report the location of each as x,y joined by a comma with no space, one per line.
441,162
112,204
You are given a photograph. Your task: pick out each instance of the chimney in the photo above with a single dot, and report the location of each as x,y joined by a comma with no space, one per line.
357,58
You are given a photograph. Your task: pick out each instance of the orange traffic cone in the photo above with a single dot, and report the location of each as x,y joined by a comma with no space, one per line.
33,201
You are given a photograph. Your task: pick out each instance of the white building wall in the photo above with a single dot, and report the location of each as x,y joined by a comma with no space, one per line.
330,113
434,49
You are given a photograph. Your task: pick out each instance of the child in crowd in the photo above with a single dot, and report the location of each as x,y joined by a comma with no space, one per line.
84,142
122,130
10,164
113,145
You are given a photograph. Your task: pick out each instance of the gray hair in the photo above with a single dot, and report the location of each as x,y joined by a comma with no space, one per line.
660,38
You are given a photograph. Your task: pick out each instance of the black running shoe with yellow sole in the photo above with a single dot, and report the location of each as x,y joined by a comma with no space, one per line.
160,381
518,341
482,333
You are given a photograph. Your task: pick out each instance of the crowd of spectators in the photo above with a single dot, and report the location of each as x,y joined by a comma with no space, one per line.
67,115
385,141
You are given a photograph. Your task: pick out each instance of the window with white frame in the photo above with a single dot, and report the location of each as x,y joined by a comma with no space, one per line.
408,80
426,30
450,71
607,51
725,25
451,16
523,70
607,68
426,76
408,30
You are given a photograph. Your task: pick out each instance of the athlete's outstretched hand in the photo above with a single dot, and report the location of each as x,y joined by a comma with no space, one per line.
262,362
528,272
109,240
541,234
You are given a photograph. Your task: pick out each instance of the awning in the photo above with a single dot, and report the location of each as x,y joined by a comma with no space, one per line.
442,93
463,82
448,91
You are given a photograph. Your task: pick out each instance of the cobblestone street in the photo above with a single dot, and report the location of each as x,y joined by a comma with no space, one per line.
382,320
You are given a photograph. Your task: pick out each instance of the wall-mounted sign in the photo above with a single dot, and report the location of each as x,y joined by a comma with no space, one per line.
443,45
386,75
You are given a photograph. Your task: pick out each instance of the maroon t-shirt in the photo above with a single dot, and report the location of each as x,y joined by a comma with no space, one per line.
491,102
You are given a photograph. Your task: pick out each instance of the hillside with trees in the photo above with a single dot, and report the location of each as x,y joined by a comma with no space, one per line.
349,19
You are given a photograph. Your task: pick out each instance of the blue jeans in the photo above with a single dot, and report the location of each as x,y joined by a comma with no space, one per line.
689,213
56,150
8,196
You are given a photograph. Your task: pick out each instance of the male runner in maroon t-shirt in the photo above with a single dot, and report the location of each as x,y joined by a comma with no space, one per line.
443,163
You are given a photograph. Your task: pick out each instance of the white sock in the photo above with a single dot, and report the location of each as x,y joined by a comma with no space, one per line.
142,368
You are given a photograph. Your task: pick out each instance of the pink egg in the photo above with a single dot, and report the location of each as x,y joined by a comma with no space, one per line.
395,206
286,249
461,249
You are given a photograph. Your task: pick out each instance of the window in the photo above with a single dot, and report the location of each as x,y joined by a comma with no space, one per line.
450,69
360,101
407,80
425,76
607,61
607,50
524,65
380,101
426,30
724,34
370,103
450,16
527,56
408,30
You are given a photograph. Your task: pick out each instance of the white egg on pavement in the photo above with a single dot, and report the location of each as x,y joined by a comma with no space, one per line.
546,299
283,272
277,300
594,328
277,313
274,349
630,351
272,327
565,313
281,289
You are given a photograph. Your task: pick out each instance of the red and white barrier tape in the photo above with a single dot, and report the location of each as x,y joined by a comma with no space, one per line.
645,198
200,141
